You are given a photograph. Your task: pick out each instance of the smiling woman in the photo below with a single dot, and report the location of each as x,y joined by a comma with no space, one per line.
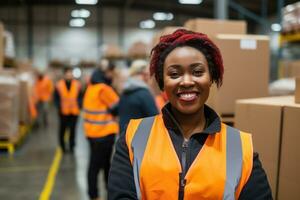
187,82
187,152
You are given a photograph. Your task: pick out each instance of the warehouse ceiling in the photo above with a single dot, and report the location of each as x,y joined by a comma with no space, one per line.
256,8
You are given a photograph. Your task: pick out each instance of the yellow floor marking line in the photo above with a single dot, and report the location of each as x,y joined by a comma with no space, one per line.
48,187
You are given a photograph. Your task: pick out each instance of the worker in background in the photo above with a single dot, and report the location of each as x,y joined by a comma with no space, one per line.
136,100
100,128
43,90
67,98
187,152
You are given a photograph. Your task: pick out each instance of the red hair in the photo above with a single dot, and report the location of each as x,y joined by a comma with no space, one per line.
182,37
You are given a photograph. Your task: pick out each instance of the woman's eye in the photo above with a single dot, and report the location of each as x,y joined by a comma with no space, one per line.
174,74
197,72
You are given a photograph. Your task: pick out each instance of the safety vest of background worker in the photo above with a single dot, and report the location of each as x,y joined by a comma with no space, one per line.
43,89
69,98
220,170
98,100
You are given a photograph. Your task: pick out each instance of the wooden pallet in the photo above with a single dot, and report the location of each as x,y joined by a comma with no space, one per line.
5,143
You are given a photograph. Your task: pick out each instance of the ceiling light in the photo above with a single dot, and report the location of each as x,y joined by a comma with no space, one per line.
190,1
77,72
161,16
276,27
82,13
87,2
77,22
147,24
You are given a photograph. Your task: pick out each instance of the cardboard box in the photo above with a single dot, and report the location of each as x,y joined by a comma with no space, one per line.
289,175
1,45
289,69
9,107
139,49
265,119
297,90
246,70
212,27
26,80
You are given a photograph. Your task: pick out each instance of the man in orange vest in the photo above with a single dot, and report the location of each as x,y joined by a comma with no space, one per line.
100,127
43,90
186,153
67,98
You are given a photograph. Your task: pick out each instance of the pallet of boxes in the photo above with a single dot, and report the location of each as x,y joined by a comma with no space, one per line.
15,96
274,124
246,63
17,105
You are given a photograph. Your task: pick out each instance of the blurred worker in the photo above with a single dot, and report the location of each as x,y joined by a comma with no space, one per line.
67,98
136,100
186,153
43,89
100,127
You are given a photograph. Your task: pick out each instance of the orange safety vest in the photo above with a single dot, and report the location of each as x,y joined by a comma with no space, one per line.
220,170
69,98
43,89
98,122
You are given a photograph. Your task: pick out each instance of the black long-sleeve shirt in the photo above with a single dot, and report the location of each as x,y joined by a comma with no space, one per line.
121,180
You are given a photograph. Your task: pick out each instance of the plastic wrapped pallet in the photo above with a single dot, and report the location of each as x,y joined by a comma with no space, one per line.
26,90
9,107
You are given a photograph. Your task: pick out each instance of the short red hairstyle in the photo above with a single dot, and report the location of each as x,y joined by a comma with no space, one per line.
182,37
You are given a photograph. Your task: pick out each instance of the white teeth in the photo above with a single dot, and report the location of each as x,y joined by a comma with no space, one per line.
187,96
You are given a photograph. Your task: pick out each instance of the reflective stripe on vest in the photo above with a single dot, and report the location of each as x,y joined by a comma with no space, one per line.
234,161
234,157
139,144
99,122
93,112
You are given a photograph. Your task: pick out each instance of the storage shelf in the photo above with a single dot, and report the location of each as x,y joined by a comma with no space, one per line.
289,38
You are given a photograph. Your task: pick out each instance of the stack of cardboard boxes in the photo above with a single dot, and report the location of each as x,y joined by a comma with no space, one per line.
26,79
212,27
274,124
112,51
139,49
1,45
246,62
297,91
289,69
9,106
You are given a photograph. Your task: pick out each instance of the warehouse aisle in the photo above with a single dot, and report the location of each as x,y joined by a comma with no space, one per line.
24,175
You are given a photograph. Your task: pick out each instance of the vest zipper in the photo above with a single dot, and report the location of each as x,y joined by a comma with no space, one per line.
182,180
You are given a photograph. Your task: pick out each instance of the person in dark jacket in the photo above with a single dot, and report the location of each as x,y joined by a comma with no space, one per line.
67,98
187,152
136,100
100,128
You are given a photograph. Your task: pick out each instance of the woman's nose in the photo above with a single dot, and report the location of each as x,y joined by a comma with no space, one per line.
187,80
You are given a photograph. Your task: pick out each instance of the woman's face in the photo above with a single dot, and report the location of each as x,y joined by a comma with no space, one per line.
186,79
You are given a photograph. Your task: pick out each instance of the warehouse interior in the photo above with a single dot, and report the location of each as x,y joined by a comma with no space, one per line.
259,41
